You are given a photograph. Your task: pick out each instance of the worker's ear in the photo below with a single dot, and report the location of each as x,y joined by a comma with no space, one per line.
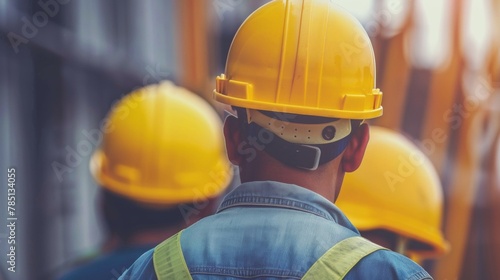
233,137
353,154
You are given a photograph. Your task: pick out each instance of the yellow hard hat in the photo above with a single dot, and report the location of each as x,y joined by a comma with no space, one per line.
397,189
302,57
163,145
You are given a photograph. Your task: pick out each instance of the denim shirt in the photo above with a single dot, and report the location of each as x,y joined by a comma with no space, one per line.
271,230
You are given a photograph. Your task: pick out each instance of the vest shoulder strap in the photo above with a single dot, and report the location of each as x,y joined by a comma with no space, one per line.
169,261
341,258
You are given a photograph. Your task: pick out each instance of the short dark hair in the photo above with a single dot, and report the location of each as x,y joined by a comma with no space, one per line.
126,217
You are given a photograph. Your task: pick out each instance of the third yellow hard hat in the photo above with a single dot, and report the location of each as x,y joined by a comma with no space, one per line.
397,189
302,57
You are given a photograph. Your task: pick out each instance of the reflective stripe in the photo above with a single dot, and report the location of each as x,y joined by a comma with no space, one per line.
169,261
341,258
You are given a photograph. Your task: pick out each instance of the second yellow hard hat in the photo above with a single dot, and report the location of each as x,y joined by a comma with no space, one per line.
163,145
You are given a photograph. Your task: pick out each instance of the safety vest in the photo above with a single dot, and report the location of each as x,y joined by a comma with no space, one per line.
169,261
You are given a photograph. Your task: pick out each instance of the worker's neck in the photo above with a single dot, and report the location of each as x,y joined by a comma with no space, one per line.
325,181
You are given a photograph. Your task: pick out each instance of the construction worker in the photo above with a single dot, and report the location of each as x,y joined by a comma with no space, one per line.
404,211
300,75
161,167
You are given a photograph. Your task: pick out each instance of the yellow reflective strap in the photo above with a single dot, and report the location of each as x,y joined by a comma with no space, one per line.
341,258
169,261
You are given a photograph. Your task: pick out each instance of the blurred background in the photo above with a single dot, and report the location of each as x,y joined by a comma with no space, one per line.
64,63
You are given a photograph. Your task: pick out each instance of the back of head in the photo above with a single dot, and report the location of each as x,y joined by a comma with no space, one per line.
396,189
300,71
162,147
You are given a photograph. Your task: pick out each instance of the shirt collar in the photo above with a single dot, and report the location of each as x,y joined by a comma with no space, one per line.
281,195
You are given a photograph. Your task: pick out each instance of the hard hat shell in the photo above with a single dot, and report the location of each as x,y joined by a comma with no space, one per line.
302,57
163,145
397,189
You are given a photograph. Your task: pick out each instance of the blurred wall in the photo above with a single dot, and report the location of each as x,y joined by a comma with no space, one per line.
69,63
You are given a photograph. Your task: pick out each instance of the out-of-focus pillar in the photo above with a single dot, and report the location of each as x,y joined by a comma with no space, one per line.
395,76
193,44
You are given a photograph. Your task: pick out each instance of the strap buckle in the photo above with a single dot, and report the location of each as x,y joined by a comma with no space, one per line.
306,157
